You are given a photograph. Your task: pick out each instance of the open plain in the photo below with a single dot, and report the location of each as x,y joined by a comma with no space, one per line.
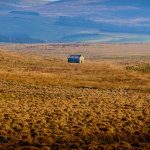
46,103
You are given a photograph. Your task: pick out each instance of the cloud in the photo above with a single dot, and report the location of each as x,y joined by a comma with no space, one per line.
141,21
51,0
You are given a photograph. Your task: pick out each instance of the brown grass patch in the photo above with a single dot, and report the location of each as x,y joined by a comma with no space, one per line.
50,104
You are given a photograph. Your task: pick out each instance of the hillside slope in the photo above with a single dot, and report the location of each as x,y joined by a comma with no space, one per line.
50,104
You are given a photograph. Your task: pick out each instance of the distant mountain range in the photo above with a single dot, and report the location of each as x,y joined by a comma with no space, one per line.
40,21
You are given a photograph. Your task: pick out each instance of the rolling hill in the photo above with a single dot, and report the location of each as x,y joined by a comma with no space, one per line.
47,103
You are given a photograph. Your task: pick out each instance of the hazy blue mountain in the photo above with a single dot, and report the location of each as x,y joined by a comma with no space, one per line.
18,39
31,13
74,21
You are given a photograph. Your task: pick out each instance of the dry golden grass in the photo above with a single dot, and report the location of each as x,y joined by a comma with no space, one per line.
94,51
46,103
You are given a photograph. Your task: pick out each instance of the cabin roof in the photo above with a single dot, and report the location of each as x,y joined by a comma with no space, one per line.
75,55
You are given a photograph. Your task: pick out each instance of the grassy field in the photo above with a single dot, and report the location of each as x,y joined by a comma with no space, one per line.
46,103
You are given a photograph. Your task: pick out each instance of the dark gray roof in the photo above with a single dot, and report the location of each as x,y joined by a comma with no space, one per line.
75,55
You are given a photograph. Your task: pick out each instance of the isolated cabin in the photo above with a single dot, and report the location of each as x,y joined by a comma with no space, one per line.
76,59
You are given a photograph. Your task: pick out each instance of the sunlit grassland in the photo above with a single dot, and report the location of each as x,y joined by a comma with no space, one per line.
46,103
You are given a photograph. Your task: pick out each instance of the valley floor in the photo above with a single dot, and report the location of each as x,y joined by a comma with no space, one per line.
46,103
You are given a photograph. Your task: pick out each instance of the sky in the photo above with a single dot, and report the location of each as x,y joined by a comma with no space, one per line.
79,20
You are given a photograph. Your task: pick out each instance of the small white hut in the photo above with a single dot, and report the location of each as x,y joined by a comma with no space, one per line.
76,59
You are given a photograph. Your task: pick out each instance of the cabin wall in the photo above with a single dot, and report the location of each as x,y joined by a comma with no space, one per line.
82,60
76,59
73,60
